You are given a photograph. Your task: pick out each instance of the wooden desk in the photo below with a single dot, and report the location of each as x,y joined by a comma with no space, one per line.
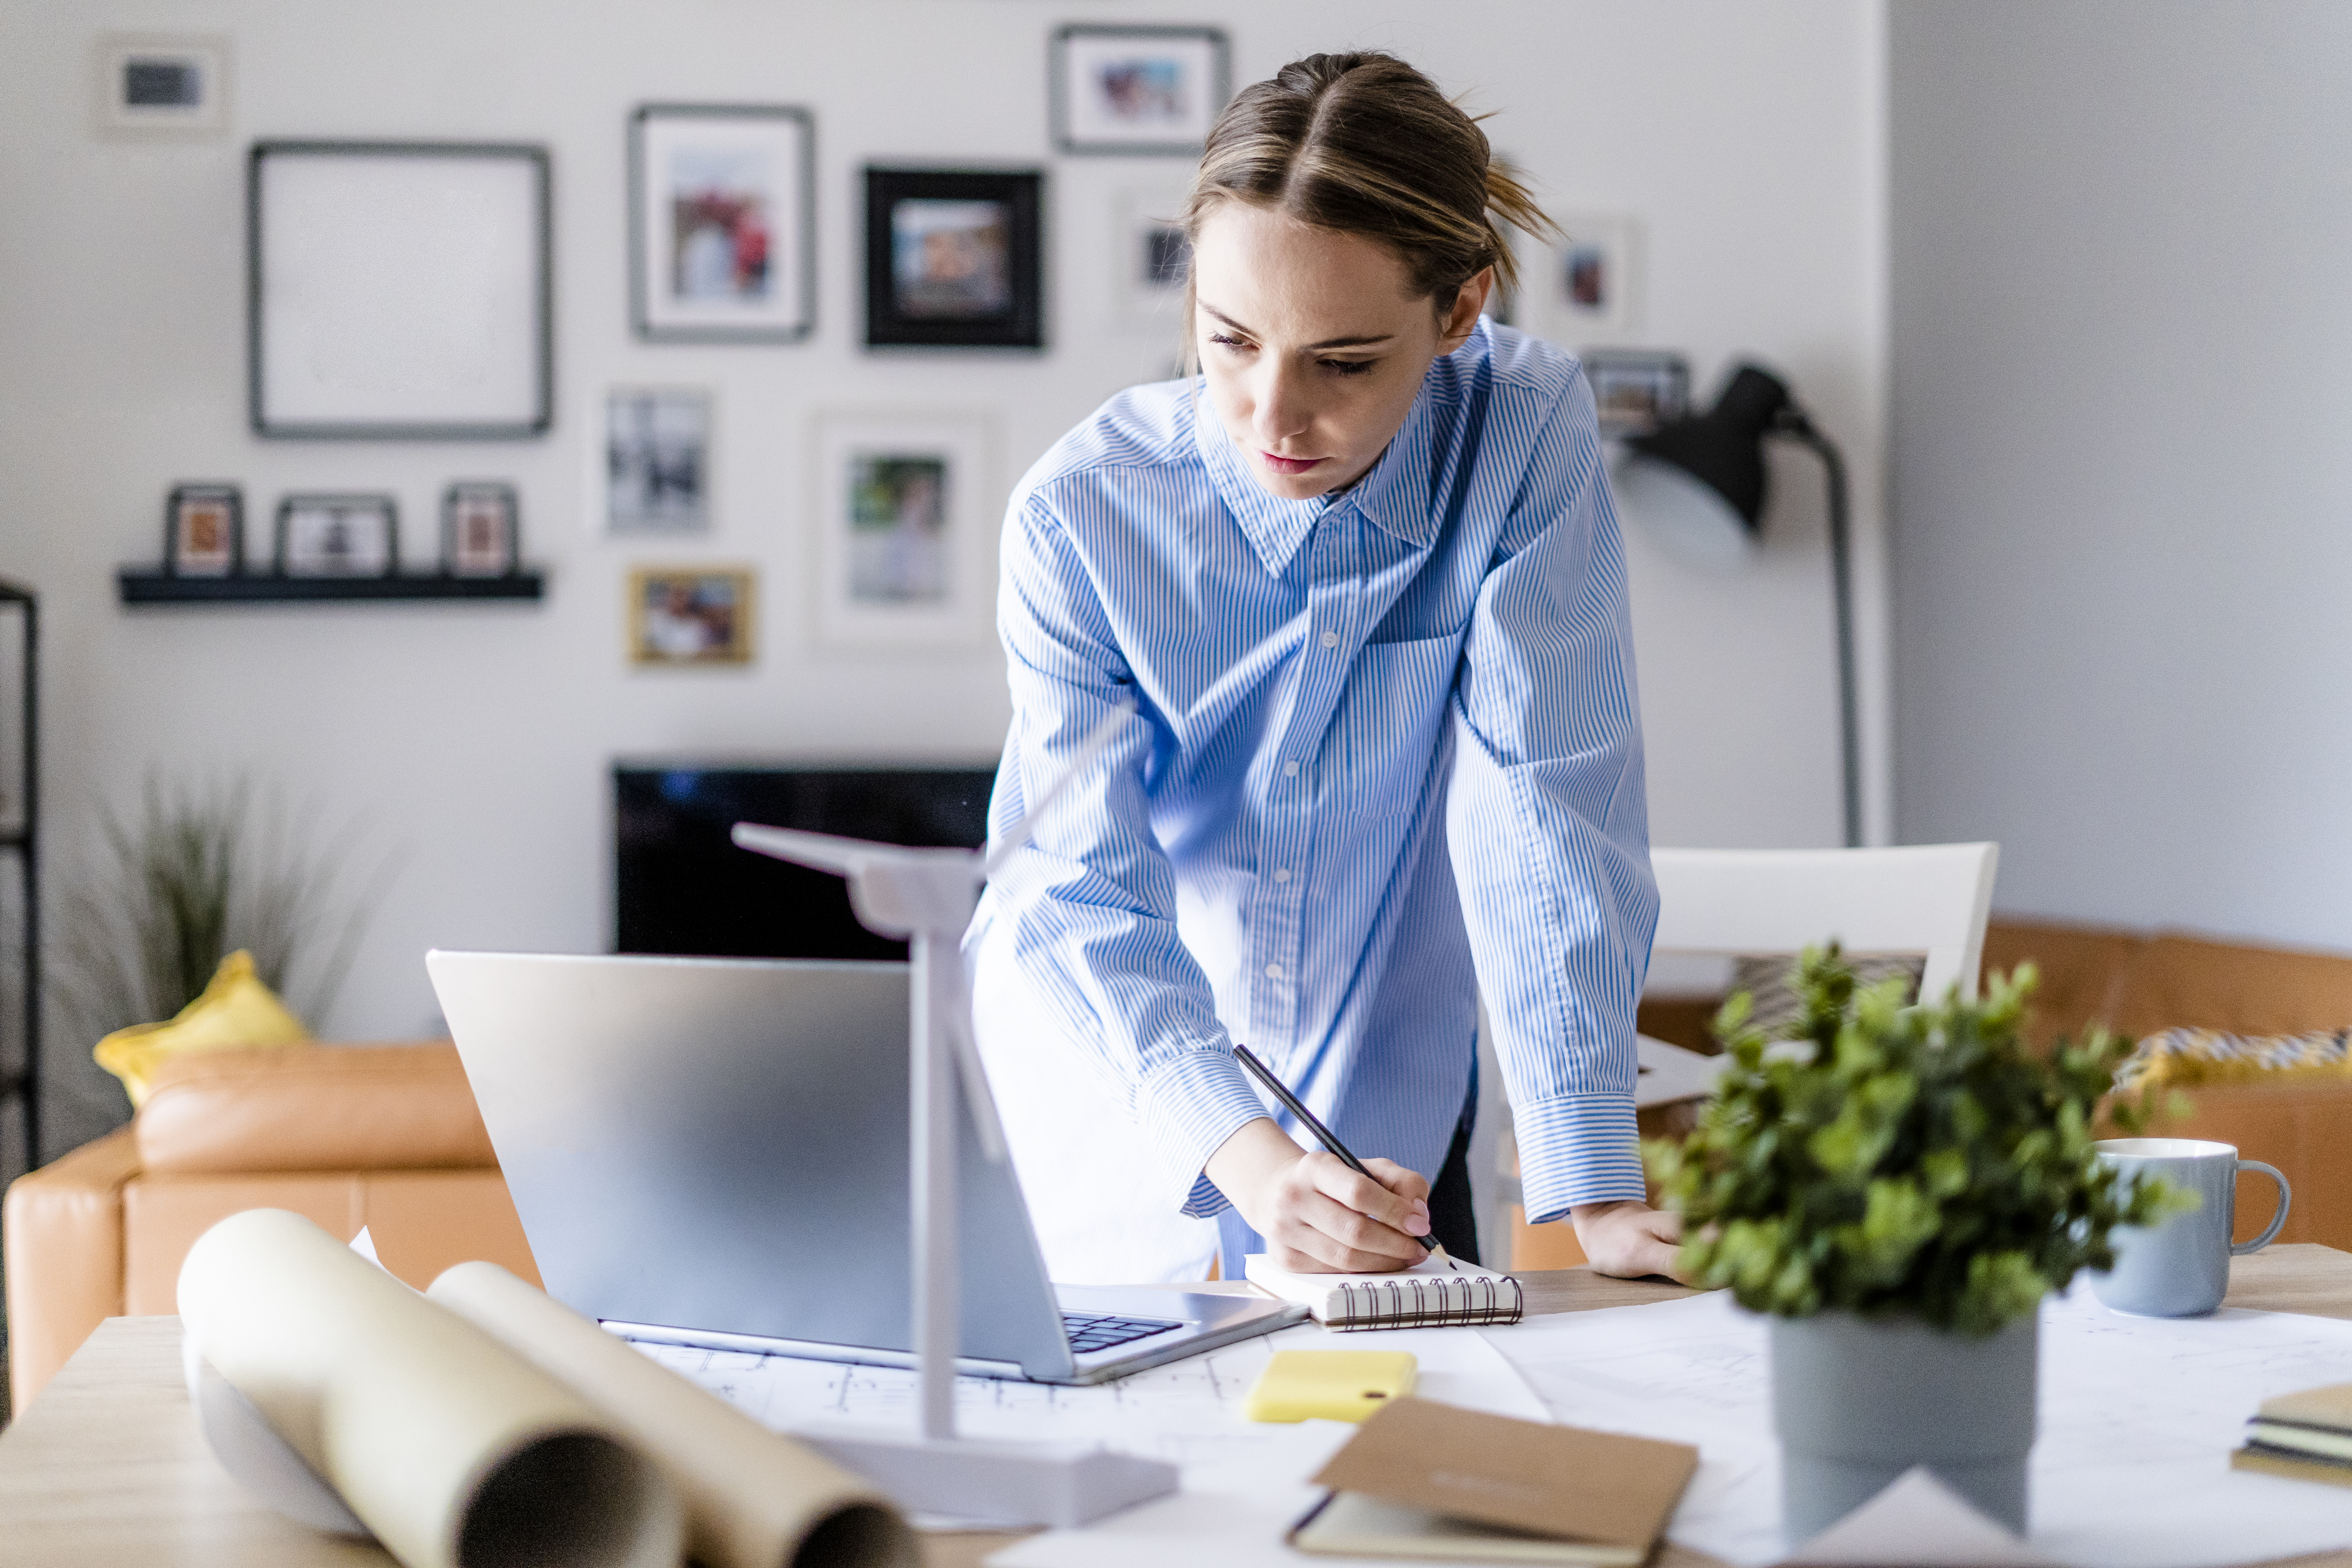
108,1470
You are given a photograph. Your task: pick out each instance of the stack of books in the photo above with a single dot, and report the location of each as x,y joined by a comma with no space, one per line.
2307,1435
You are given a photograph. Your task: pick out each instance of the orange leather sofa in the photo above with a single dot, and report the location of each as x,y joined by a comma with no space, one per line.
382,1136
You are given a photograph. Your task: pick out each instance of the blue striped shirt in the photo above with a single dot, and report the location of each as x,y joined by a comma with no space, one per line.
1392,754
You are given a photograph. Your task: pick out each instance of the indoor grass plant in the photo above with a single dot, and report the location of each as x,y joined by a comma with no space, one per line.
1899,1197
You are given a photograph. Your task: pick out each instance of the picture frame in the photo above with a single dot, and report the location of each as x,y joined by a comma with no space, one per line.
1138,91
398,290
326,534
157,84
481,529
657,462
204,531
1637,390
722,223
954,259
1587,289
692,617
905,503
1152,256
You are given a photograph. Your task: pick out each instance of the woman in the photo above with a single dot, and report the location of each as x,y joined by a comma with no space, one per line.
1361,577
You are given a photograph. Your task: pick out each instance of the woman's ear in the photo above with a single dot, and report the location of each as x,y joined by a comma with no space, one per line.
1468,305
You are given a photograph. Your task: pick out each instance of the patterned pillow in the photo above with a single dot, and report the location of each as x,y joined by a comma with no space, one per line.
1769,980
2183,1057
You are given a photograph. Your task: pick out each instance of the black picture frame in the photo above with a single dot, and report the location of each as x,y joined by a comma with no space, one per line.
385,508
1006,312
1070,137
535,360
458,504
656,322
204,493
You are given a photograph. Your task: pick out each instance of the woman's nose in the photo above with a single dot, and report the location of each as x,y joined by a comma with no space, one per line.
1282,410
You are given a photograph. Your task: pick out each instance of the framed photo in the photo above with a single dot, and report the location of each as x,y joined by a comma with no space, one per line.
1637,390
722,223
954,259
398,289
337,536
204,531
1155,259
687,617
1588,288
1138,91
147,84
481,530
904,503
657,459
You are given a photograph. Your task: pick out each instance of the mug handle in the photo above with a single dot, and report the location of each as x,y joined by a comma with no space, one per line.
2286,1197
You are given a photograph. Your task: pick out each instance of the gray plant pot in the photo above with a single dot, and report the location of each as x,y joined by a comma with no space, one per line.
1858,1402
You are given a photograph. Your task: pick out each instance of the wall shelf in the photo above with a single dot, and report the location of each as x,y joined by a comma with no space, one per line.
148,586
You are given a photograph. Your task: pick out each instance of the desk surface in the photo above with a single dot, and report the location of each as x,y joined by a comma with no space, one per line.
108,1470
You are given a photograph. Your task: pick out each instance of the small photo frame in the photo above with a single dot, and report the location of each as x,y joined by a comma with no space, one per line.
954,259
690,617
903,507
337,536
657,459
1637,390
481,530
147,84
1587,289
204,531
1138,91
1154,257
722,227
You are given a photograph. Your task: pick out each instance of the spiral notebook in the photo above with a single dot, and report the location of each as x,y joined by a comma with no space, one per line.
1437,1292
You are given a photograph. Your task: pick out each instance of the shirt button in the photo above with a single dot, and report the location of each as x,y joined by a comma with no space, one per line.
1274,971
1281,873
1291,770
1330,639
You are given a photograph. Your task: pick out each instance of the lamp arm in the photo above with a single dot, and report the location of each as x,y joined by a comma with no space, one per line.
1793,424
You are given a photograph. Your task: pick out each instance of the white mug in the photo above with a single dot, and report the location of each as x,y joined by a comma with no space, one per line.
2179,1266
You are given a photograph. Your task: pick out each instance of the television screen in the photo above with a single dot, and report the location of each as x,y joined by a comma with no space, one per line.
683,887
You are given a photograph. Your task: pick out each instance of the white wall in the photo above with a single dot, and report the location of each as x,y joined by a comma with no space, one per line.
2122,363
1746,136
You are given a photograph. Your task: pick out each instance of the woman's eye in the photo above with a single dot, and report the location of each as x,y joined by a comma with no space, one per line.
1222,340
1349,366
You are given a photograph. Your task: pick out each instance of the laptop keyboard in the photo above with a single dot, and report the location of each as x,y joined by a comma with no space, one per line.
1091,1331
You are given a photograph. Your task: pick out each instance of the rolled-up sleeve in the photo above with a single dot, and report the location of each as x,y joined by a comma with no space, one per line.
1548,822
1091,898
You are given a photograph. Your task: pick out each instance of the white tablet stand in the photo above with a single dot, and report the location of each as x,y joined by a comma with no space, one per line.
926,896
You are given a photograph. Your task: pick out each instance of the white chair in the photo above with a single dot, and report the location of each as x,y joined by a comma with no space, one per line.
1930,900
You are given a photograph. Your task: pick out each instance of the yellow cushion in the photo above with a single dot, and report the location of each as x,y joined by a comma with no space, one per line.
235,1009
2182,1058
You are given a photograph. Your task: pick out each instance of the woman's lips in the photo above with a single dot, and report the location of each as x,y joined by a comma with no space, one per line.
1288,465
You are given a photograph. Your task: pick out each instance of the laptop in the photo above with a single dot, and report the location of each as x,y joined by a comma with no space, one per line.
713,1153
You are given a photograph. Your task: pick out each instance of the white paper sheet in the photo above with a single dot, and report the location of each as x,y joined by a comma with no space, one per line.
1921,1522
2131,1470
1245,1482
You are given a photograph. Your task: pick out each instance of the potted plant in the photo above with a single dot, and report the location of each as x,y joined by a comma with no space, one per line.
1898,1191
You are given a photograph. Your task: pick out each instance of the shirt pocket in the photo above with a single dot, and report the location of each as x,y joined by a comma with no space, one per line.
1389,716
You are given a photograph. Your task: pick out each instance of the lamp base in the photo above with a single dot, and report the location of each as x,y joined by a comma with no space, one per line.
1054,1484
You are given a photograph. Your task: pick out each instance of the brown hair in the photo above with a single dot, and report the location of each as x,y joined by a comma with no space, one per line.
1362,143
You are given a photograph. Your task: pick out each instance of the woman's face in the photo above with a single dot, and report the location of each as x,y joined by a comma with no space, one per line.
1313,344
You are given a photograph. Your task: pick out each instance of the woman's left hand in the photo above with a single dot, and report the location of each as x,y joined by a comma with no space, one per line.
1629,1239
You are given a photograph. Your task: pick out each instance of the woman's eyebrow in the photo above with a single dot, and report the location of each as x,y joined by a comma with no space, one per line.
1325,343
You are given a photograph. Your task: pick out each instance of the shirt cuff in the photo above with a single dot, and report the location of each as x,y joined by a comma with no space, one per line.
1577,1149
1191,1106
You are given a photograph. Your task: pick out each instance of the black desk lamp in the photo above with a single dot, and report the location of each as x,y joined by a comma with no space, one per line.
1699,481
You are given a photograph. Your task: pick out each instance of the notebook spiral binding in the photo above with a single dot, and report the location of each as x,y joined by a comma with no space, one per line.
1426,1303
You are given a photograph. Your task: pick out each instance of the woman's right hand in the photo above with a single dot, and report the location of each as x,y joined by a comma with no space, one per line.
1318,1216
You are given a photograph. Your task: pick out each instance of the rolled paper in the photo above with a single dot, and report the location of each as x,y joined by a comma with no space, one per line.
754,1499
452,1451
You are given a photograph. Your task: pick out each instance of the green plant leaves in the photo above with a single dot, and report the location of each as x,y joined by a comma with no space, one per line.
1905,1160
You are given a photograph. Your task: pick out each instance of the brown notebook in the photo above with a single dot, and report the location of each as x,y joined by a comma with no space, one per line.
1428,1481
2306,1435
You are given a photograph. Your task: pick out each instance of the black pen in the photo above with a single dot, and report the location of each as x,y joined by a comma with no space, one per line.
1323,1134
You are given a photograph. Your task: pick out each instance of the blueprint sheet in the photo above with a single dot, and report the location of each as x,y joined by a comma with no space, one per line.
1244,1482
2137,1419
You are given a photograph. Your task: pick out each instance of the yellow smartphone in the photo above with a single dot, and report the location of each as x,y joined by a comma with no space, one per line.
1331,1385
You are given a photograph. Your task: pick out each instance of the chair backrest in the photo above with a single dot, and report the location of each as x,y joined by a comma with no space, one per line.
1929,899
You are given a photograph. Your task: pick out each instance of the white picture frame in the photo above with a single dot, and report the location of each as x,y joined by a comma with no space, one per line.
656,460
160,84
1586,290
1138,91
399,291
1150,256
904,525
722,223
